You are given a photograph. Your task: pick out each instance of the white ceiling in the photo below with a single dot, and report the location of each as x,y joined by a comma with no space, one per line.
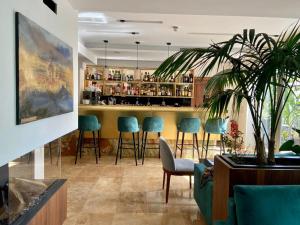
193,30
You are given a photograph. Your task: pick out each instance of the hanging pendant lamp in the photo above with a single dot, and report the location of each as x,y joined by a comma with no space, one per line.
106,70
168,44
137,72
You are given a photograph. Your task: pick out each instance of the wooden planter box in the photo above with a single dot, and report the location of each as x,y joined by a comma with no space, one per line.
228,174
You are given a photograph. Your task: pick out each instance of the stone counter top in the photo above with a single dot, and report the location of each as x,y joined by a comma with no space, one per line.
156,108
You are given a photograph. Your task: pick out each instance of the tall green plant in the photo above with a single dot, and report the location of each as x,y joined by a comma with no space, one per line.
250,66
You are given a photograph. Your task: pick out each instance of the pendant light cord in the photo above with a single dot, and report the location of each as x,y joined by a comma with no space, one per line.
105,53
137,54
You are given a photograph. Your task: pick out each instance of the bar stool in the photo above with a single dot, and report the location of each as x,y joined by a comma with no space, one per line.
128,124
153,124
88,123
214,126
188,125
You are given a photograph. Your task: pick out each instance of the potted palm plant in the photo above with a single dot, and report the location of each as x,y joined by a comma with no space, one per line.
251,67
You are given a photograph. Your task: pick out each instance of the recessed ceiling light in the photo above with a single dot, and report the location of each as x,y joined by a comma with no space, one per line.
92,17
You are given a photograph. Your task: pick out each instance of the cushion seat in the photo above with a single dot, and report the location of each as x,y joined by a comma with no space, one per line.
184,165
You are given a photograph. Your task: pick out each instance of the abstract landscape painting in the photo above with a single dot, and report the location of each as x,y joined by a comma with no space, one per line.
44,73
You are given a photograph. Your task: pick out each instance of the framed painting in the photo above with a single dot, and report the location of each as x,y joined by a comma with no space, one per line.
44,73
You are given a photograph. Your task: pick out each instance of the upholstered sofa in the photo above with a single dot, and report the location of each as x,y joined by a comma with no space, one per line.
251,204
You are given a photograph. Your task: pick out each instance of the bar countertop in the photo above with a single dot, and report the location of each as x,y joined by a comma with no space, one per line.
141,108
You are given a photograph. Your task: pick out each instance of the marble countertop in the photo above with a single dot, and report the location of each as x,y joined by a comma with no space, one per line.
141,108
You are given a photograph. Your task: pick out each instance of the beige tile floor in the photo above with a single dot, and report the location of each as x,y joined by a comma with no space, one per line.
125,194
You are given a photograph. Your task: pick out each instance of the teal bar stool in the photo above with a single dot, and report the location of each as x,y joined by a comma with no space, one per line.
128,124
153,124
88,123
214,126
188,125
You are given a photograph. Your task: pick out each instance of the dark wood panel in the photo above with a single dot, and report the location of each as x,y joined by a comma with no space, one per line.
54,212
199,88
226,177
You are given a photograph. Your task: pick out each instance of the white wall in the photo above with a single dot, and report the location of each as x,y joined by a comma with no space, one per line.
130,63
16,140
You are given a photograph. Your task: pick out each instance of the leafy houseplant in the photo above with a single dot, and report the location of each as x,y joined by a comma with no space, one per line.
290,145
251,67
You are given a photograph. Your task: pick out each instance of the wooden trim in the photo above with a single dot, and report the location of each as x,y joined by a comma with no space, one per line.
54,212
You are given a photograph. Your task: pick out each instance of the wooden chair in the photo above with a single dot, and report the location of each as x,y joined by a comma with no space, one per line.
172,166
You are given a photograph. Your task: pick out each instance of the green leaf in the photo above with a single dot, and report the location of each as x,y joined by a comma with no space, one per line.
287,146
296,149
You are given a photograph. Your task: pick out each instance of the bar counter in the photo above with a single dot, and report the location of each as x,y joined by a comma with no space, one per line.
108,116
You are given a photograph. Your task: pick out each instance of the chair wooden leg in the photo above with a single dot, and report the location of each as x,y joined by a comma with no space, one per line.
164,180
182,142
134,148
145,144
203,141
168,187
119,145
190,182
95,147
78,146
207,143
158,146
99,154
176,144
197,146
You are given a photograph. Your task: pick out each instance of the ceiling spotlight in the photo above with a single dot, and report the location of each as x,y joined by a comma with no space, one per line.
175,28
134,33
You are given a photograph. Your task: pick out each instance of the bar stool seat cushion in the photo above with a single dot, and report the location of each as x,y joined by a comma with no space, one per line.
153,124
184,165
88,123
189,125
128,124
216,126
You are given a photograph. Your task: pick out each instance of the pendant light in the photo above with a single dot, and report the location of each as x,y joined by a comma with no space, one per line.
168,44
137,72
106,70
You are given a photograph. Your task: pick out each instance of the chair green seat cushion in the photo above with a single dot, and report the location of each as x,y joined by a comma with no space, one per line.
88,123
267,205
153,124
128,124
189,125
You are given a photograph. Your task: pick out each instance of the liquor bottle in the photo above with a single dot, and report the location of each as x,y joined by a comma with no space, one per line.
190,92
191,78
87,76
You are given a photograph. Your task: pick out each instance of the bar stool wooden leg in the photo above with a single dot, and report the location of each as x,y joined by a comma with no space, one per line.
190,181
119,145
182,141
78,146
144,150
203,141
81,143
134,148
138,145
95,147
142,144
208,136
158,146
222,142
99,144
176,145
197,146
193,146
50,152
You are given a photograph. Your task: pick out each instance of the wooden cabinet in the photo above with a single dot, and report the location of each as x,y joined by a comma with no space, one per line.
199,89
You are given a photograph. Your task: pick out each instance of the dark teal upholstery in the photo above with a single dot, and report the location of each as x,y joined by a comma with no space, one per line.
231,218
88,123
128,124
153,124
203,194
216,126
267,205
189,125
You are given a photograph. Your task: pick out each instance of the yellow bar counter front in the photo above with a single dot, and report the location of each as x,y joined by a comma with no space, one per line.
108,117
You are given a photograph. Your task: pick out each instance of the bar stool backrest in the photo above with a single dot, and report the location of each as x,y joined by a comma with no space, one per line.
128,124
166,155
216,126
88,123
